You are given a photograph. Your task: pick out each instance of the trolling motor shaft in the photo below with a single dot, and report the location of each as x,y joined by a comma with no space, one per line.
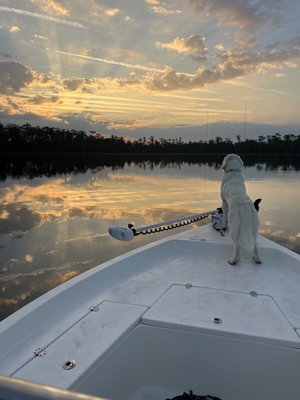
128,233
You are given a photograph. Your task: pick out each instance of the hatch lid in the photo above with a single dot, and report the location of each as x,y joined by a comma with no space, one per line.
250,316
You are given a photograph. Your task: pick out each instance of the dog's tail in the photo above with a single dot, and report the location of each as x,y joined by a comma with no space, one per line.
249,224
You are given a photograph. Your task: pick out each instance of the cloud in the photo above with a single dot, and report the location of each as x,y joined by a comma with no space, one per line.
131,126
193,44
17,219
77,212
26,194
51,6
41,37
234,64
244,15
111,12
170,80
164,10
73,84
158,7
14,29
39,99
228,65
57,7
29,258
43,17
14,76
223,65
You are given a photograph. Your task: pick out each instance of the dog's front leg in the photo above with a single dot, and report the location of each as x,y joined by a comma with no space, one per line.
256,257
236,254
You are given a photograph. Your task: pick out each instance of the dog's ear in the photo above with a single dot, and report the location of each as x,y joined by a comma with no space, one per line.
241,161
224,163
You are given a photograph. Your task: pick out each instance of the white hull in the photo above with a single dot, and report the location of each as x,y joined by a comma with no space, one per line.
145,325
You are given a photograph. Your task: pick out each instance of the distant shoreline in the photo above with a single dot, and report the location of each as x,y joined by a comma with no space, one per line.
27,139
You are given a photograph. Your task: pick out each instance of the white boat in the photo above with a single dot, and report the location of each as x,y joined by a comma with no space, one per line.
168,318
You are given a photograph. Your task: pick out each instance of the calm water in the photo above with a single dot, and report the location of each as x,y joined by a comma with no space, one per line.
54,214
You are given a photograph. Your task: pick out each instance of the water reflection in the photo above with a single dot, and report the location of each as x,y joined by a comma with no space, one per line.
49,166
54,216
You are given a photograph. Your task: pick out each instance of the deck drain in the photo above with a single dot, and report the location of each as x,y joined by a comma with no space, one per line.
69,364
216,320
253,293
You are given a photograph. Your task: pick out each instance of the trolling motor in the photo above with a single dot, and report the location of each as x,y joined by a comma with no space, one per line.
126,234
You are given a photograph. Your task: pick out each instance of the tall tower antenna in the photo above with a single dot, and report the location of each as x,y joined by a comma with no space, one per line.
245,120
207,119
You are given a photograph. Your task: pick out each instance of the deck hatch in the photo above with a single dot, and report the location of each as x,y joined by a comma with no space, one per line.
82,345
249,317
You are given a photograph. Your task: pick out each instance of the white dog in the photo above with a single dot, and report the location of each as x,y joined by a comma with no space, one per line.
238,209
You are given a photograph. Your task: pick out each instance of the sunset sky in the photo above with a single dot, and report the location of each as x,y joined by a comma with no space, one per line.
179,68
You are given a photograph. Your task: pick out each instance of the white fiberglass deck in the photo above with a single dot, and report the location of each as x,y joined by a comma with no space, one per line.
170,289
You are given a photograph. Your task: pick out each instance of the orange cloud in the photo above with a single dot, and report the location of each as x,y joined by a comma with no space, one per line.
57,7
14,29
158,7
194,45
111,12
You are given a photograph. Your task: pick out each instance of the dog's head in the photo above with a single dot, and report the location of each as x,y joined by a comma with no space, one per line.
232,162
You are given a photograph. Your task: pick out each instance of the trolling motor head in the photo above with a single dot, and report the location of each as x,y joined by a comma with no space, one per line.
121,233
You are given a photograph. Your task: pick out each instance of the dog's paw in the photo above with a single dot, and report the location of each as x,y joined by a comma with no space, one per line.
256,260
233,262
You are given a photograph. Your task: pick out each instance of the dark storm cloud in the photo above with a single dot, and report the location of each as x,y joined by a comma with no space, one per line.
15,218
14,76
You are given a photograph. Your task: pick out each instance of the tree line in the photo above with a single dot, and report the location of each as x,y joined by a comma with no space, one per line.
35,140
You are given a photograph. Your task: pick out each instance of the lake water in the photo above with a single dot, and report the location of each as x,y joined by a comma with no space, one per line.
54,213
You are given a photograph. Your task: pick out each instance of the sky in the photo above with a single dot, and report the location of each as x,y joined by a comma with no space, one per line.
194,69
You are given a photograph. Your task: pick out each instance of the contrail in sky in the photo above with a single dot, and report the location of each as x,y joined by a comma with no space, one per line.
104,60
255,87
42,16
120,63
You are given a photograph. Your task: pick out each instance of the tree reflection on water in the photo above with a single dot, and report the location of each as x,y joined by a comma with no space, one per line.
31,166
